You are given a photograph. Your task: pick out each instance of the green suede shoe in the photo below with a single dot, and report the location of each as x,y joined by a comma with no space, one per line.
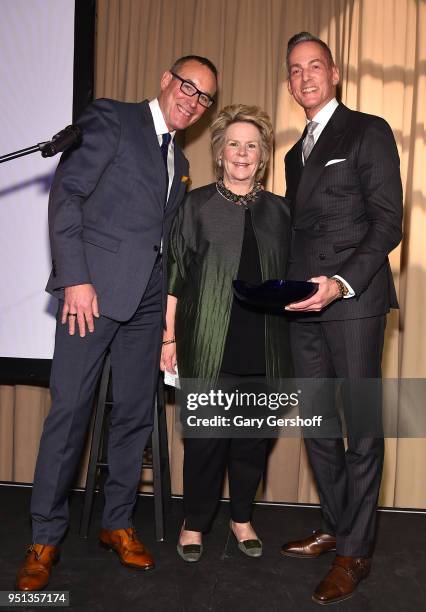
191,553
251,548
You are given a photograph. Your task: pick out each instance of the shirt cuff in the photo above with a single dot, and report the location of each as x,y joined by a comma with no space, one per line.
351,291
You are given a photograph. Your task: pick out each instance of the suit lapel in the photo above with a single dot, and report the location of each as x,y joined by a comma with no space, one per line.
321,153
294,169
177,178
151,145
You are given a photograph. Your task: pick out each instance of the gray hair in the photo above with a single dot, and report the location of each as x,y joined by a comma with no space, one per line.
308,37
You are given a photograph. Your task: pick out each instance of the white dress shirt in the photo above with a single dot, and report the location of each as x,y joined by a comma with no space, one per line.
160,129
322,117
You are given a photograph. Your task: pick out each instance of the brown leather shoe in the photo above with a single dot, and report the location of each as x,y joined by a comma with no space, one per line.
35,573
130,550
310,548
342,580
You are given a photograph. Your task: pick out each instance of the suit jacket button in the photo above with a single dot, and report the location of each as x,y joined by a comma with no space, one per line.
322,256
156,248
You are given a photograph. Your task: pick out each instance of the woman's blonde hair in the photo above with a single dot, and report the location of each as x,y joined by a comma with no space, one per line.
248,114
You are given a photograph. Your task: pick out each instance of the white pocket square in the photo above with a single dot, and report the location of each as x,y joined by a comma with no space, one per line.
334,161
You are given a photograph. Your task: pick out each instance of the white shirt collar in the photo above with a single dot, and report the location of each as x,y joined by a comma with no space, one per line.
324,115
159,122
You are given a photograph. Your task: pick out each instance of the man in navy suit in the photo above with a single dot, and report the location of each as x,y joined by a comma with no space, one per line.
343,180
110,210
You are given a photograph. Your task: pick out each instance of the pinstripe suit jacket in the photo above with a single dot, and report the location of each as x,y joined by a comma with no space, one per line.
347,216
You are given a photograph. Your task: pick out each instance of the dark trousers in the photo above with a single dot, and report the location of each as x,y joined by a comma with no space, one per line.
77,363
205,463
348,480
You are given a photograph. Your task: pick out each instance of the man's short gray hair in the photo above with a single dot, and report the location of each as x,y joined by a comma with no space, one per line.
308,37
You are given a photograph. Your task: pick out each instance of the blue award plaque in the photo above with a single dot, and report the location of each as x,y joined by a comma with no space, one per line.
274,294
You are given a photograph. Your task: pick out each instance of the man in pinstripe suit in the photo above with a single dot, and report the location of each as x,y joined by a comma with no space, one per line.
344,184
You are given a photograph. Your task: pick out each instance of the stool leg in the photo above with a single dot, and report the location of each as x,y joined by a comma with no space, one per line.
95,449
164,447
160,462
157,478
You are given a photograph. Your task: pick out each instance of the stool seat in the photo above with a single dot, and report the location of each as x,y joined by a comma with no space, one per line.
97,460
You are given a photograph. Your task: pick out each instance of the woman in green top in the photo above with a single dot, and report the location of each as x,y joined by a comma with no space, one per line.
227,230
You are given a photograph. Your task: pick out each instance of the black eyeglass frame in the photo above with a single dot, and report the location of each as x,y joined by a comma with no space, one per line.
196,90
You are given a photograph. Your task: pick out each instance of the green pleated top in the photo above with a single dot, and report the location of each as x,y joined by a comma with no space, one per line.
203,259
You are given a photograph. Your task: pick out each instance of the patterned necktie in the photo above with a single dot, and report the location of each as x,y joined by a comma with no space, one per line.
308,143
164,152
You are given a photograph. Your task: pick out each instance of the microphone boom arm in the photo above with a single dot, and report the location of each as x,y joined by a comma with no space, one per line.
27,151
61,141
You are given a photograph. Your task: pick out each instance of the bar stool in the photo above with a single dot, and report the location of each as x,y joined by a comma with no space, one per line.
98,460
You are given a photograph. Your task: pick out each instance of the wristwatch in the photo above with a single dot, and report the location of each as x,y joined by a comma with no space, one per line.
344,291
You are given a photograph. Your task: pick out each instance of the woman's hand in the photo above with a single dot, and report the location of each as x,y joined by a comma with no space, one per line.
168,358
168,352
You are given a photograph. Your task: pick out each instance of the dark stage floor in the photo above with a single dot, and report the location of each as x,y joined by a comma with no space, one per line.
224,580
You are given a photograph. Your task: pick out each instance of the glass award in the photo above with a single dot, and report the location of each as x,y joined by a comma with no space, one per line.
274,294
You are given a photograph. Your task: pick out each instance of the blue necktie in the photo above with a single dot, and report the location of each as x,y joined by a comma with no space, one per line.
164,152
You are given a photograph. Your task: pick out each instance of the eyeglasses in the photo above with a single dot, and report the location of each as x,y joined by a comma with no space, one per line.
190,90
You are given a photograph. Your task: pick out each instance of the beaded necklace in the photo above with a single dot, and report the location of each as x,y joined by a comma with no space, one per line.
238,200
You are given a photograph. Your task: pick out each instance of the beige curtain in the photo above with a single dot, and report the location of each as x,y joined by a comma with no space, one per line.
380,46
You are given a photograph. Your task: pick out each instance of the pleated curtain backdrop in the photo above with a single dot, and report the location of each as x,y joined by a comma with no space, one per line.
380,47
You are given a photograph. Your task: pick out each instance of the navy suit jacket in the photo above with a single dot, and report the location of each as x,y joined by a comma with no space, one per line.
347,216
106,208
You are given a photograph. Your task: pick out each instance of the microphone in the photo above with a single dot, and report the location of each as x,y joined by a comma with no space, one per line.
62,141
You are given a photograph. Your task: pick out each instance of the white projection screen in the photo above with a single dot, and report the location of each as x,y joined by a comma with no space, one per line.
36,76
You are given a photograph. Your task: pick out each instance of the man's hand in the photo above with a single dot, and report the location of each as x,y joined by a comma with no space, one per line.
328,291
81,304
